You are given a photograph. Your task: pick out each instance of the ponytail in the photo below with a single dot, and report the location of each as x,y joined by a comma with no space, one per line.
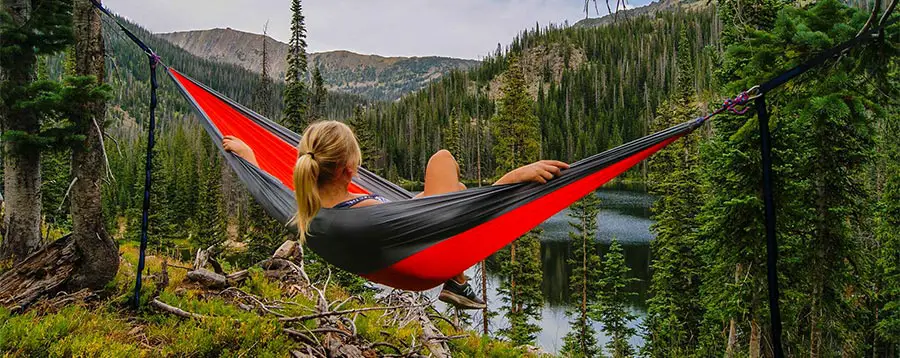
325,148
306,189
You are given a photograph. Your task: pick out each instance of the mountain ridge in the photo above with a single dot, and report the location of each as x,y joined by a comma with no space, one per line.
373,76
649,9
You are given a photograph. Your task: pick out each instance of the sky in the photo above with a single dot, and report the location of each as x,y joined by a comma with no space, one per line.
452,28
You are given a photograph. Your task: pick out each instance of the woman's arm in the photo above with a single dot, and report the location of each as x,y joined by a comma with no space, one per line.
239,148
538,172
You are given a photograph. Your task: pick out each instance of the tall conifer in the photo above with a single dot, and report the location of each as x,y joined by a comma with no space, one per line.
295,91
28,31
612,306
317,96
517,142
675,310
584,282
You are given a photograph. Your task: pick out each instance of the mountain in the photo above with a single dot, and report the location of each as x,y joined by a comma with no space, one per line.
373,76
650,9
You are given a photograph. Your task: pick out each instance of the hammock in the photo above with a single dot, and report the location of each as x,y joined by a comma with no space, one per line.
409,244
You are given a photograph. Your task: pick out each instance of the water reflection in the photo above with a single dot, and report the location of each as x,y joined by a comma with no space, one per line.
625,215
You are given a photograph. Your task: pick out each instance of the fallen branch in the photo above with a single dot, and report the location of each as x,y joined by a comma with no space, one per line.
174,310
344,312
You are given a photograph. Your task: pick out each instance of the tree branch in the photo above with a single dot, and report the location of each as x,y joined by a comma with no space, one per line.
345,312
156,303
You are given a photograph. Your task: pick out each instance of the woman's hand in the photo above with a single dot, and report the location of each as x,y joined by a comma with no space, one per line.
538,172
238,147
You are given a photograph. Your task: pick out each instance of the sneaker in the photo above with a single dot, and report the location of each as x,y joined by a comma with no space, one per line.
460,295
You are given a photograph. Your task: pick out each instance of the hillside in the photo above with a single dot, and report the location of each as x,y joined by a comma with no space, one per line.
260,315
372,76
594,87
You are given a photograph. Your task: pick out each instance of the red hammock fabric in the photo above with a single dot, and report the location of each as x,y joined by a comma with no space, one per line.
274,155
433,266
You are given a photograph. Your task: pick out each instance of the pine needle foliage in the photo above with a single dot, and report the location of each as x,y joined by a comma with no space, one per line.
584,281
611,309
675,310
517,132
296,116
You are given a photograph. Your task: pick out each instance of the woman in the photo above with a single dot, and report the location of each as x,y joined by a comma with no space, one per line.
329,159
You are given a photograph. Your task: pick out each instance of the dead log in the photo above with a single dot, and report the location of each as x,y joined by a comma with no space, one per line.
208,278
42,273
236,278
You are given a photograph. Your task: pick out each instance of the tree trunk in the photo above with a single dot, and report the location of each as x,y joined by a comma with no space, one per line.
814,330
584,284
732,325
22,166
512,279
754,339
99,253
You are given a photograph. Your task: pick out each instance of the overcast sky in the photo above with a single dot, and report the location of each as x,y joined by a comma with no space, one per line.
455,28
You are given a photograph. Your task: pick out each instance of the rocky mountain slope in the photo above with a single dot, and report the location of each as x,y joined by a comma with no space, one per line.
373,76
650,9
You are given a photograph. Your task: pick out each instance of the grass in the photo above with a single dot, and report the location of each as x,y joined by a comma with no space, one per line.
108,327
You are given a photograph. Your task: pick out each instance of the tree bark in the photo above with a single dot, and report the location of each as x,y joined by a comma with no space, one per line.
755,339
732,325
100,254
46,271
512,279
22,166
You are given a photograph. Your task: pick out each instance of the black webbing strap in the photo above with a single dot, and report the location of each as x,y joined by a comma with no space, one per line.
148,181
766,152
765,146
124,29
151,141
824,56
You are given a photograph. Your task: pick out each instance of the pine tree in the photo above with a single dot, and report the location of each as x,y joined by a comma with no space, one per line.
161,227
264,88
28,31
209,222
516,128
452,141
887,234
517,142
296,117
611,309
888,259
520,288
365,134
317,97
585,278
731,236
675,311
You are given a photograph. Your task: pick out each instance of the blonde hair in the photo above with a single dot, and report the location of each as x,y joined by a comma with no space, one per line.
325,148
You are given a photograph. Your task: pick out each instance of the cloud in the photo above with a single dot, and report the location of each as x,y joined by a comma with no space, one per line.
459,28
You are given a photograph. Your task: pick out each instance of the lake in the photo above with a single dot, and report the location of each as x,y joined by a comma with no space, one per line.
625,215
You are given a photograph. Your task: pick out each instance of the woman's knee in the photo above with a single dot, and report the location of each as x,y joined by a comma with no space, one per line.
442,156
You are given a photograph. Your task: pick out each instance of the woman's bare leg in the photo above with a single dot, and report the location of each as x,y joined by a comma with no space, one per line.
441,177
